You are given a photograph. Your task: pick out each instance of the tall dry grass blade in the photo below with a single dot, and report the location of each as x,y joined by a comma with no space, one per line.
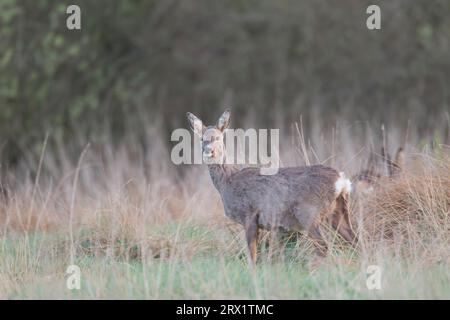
447,129
72,203
36,181
302,142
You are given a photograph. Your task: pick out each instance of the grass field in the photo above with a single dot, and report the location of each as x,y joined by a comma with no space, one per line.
140,231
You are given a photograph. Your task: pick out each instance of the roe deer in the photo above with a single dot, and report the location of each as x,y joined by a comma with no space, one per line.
293,199
367,179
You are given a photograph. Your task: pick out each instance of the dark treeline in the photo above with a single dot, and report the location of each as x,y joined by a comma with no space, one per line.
137,61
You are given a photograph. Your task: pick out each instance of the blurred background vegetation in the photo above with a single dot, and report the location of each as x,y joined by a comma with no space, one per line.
138,62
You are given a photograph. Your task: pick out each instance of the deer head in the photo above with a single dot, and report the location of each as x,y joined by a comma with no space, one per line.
212,137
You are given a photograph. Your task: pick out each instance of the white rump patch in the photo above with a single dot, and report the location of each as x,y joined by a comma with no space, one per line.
343,184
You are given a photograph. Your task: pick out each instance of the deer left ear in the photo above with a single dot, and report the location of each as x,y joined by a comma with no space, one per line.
224,120
196,124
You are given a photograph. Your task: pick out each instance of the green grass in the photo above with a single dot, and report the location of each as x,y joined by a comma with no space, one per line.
167,238
34,268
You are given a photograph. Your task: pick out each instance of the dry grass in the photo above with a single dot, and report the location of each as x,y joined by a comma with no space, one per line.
418,199
139,229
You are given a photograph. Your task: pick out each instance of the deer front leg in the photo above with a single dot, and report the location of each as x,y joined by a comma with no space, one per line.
251,235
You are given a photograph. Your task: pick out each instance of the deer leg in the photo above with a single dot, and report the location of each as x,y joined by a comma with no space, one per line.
341,223
319,242
251,235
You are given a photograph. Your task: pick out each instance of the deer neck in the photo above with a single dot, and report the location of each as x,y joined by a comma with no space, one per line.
220,174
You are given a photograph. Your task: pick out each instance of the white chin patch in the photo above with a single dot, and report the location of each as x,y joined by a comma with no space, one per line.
210,160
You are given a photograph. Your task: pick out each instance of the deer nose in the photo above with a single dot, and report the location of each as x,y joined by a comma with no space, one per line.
208,151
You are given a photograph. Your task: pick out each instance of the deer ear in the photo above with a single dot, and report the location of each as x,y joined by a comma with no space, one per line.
224,120
400,159
195,123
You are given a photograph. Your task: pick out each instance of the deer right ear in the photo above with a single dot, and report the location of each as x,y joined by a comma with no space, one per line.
224,121
195,123
400,159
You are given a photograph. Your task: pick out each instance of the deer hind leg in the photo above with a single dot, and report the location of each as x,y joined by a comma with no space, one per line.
319,242
340,220
251,235
305,215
